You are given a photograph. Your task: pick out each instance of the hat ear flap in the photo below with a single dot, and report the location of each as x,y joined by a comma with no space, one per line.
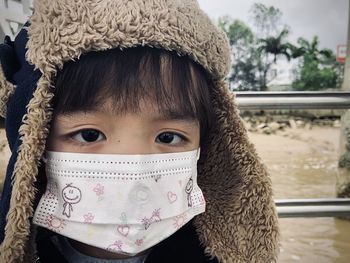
229,164
8,65
6,89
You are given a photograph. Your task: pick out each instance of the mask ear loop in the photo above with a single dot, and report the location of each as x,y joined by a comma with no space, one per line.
198,153
43,158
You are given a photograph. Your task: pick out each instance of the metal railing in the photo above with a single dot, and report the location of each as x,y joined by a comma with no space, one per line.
287,208
293,100
339,207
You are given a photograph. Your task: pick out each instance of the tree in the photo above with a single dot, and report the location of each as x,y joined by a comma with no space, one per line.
252,56
276,45
237,31
318,68
244,72
271,39
242,41
310,50
266,19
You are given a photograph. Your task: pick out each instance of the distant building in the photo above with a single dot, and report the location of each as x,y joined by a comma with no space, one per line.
281,75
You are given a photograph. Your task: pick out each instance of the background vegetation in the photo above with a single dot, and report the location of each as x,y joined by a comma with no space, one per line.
255,50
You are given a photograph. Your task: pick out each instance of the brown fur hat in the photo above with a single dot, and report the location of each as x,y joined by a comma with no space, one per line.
240,222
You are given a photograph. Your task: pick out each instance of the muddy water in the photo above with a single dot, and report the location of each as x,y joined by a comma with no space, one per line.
304,167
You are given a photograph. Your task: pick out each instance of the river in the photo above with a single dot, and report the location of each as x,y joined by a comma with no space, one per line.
303,164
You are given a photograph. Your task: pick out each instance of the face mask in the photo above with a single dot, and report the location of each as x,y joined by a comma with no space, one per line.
120,203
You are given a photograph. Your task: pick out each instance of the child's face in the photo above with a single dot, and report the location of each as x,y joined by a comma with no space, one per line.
101,130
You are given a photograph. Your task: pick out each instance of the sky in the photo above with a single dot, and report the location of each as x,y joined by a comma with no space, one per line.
327,19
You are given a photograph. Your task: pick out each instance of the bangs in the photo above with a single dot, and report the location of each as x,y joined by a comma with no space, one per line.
131,76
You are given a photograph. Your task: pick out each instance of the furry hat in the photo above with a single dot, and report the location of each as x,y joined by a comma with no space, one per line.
240,223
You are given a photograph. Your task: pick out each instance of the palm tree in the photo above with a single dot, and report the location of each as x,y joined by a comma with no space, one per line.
310,51
319,69
276,45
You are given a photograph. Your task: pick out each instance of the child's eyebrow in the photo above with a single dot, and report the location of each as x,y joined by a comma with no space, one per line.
174,115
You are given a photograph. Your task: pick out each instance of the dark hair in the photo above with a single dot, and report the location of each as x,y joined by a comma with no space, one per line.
128,76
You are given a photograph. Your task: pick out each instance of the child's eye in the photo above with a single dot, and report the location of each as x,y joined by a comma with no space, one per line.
170,138
88,135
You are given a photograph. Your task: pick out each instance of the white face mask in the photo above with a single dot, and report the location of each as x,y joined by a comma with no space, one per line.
120,203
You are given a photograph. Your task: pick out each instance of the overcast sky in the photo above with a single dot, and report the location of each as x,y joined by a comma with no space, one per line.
326,18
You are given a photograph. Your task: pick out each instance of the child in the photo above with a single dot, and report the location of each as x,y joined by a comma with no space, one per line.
108,105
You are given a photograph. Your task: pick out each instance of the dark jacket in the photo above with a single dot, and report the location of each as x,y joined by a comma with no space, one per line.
183,246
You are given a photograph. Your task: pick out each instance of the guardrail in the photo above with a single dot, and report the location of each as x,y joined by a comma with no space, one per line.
339,207
293,100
